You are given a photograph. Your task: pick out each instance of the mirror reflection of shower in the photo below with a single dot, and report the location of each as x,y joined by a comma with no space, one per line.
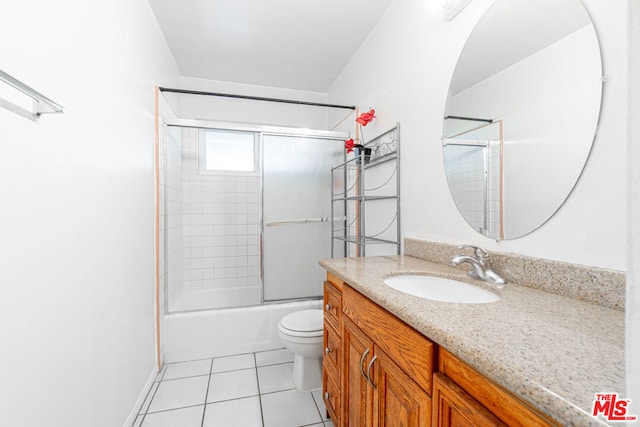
245,213
473,158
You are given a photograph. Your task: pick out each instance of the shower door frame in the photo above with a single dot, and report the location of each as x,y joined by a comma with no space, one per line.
261,130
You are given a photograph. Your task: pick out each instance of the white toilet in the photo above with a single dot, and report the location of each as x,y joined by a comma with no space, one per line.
302,333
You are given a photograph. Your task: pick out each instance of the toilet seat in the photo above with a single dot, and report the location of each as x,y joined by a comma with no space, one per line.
305,323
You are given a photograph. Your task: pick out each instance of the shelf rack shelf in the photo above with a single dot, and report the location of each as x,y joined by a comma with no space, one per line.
350,196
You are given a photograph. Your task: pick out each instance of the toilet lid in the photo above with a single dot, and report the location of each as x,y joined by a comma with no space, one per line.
303,321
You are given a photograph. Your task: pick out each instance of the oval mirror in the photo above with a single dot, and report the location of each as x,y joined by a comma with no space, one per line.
521,114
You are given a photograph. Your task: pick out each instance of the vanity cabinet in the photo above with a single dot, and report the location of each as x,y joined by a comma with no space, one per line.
387,370
379,371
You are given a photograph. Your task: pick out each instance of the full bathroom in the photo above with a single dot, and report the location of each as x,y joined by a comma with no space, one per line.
390,212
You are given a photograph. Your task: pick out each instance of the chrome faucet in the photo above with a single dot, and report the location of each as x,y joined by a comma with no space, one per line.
481,266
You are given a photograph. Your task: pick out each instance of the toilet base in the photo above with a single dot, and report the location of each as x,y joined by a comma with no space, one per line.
307,373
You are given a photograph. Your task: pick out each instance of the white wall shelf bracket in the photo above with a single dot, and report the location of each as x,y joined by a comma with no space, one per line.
41,104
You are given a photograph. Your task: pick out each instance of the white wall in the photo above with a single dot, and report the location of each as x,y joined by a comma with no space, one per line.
403,71
633,277
77,212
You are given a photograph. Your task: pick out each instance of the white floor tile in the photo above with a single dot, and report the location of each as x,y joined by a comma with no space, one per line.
138,421
289,409
328,423
232,385
276,378
185,417
317,396
233,363
174,394
147,400
234,413
187,369
273,357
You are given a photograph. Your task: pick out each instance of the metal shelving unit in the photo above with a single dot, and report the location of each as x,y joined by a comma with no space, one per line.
351,197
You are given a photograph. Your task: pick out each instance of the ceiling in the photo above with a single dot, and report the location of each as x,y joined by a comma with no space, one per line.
294,44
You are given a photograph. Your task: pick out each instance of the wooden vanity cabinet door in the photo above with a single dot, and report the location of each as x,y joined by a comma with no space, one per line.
398,400
357,394
332,355
453,407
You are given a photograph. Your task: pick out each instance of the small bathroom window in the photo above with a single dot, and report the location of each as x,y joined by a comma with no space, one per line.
228,151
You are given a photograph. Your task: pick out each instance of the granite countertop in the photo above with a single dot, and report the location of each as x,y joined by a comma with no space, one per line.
553,351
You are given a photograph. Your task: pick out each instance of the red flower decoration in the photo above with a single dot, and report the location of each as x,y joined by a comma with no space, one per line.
349,144
366,118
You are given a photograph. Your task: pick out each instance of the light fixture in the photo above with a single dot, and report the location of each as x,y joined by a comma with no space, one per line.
451,8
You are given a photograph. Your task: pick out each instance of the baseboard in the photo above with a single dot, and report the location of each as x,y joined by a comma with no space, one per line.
131,419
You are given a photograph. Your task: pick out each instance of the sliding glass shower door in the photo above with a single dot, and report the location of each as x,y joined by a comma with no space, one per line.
296,213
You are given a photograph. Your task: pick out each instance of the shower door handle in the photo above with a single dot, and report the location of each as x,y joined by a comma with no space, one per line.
296,221
303,221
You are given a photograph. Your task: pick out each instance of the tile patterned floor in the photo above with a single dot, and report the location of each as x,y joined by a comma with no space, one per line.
246,390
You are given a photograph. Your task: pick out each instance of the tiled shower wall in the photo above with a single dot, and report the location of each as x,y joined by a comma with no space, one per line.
465,173
220,223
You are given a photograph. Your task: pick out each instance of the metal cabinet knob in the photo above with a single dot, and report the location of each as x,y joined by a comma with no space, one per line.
327,350
328,307
326,395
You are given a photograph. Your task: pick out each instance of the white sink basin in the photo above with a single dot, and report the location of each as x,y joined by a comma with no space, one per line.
439,289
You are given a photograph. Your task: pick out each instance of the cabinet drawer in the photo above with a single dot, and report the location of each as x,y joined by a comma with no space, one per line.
410,350
332,306
337,283
331,396
331,347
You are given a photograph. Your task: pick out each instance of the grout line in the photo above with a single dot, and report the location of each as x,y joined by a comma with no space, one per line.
187,361
219,357
206,394
233,370
278,391
173,409
274,364
259,393
233,398
184,378
317,406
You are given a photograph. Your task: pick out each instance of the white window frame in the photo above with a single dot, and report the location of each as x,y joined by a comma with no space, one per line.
202,147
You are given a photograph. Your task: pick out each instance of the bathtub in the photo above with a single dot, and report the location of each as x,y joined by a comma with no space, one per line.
224,332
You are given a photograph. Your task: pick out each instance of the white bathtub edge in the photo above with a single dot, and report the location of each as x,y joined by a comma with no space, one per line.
216,333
